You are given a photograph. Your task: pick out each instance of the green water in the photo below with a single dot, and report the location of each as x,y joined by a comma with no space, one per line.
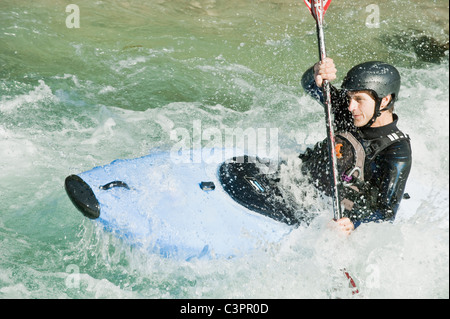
75,98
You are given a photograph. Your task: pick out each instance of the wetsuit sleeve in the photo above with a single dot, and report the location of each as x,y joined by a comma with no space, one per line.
381,202
310,86
339,106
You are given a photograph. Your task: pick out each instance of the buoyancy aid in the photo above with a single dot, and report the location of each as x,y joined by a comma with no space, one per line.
354,156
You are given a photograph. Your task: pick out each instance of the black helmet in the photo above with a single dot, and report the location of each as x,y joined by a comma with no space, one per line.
378,77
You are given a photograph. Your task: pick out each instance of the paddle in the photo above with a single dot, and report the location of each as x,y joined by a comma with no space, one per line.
318,9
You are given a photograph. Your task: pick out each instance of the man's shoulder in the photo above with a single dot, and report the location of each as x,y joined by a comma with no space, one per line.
393,144
399,148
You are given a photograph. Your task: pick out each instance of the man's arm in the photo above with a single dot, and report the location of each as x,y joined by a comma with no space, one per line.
313,78
381,202
312,81
310,86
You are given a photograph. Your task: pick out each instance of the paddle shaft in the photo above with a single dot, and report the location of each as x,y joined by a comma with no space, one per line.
318,8
328,114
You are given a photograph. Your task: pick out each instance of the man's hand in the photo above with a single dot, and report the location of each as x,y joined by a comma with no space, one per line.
325,70
345,225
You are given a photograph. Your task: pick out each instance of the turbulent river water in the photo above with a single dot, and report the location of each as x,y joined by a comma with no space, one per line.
78,91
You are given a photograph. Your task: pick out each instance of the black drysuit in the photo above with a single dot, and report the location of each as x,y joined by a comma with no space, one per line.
386,167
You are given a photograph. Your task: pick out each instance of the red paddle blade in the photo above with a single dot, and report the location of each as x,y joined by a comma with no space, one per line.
317,8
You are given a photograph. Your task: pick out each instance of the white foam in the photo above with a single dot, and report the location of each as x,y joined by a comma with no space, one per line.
128,63
40,93
105,131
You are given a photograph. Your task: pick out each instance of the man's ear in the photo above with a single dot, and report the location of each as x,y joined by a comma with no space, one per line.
385,101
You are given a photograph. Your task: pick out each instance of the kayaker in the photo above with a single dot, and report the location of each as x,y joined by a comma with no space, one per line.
374,156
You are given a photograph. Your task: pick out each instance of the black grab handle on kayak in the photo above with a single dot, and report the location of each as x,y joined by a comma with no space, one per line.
114,184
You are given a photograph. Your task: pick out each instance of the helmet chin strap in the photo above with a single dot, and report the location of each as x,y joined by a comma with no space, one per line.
376,114
377,111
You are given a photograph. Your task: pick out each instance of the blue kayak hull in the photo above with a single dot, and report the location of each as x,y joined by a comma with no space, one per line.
173,207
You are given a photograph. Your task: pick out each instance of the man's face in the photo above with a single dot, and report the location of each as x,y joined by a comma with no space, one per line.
362,107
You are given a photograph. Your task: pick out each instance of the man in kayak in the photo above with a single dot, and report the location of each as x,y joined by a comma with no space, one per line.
374,156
